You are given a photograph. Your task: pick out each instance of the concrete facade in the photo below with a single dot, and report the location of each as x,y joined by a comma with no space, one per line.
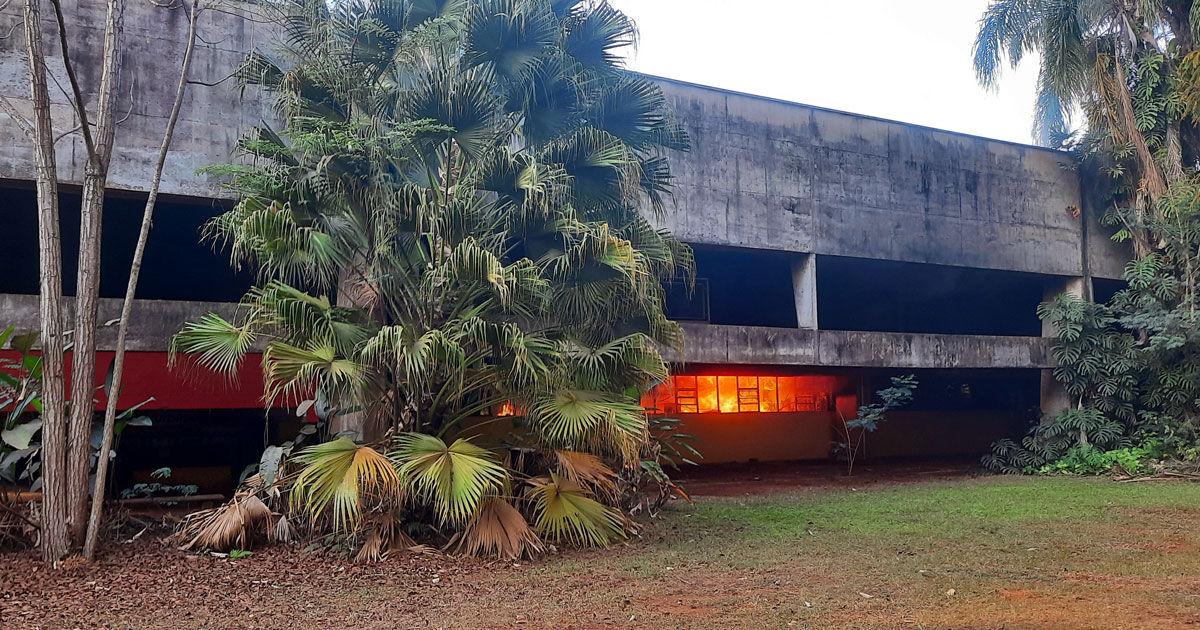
770,174
212,117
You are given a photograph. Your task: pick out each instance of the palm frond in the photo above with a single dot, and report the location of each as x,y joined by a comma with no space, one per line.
564,513
215,342
587,470
454,478
231,526
337,475
498,530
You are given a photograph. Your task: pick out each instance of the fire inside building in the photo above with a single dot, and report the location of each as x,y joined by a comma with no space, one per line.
833,251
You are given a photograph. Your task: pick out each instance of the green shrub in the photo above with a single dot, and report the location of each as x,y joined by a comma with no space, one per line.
1089,460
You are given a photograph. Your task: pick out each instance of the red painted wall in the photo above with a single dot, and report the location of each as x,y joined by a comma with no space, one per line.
182,386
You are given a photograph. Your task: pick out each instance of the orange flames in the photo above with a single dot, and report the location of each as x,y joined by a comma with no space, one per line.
742,394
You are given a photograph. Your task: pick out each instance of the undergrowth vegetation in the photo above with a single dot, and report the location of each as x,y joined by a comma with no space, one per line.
1129,364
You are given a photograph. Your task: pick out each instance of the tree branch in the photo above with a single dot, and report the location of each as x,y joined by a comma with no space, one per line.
79,106
11,110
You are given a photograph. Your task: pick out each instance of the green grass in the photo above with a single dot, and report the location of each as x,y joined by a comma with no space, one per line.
951,510
991,523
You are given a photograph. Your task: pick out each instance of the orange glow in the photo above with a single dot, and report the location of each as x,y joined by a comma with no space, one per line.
706,388
767,400
507,409
727,393
743,394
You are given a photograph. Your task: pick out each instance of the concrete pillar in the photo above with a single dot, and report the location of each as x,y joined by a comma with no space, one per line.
1052,288
804,287
1054,397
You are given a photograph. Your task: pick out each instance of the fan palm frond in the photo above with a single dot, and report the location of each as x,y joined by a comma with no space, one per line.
570,418
338,474
498,530
564,513
454,478
231,526
216,343
587,470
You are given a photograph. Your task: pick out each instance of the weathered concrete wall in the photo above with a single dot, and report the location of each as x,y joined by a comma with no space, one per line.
770,174
212,117
762,173
707,343
154,322
766,437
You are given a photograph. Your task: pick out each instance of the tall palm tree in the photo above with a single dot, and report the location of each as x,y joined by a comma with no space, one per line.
471,178
1110,60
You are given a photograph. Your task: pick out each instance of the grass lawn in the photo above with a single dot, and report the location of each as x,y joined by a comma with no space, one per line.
991,552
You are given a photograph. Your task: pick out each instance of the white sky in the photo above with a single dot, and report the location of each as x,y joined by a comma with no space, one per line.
907,60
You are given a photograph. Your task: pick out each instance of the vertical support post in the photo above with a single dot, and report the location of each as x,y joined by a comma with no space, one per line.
1054,397
804,287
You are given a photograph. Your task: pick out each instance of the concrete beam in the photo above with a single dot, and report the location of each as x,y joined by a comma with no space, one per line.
153,324
707,343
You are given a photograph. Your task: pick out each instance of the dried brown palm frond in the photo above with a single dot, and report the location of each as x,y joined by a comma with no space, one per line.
499,531
283,531
588,471
386,535
231,526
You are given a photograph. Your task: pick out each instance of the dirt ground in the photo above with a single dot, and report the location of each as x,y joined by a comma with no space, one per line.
913,546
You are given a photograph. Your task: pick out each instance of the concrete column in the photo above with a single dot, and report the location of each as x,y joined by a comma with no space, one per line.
804,286
1054,397
1052,288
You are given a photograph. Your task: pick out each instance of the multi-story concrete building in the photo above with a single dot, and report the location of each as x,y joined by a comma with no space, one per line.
832,250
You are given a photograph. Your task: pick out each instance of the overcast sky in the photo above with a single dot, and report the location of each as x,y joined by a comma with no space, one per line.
907,60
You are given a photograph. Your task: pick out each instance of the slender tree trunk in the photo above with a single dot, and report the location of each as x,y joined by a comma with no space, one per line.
54,540
1154,183
87,287
135,269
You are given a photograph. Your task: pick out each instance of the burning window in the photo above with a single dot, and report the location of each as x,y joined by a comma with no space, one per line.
738,394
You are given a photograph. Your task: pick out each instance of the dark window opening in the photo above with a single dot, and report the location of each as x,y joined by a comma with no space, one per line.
687,302
888,296
210,449
1104,288
177,265
967,390
745,287
955,412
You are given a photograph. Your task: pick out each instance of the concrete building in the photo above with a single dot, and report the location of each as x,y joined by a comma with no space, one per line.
833,250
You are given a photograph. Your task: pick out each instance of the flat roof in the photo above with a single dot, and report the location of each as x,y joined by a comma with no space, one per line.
781,101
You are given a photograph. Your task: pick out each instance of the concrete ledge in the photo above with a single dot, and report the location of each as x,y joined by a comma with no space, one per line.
707,343
154,321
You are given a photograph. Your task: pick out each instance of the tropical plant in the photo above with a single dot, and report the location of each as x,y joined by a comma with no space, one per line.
853,431
1119,63
21,409
1130,365
473,182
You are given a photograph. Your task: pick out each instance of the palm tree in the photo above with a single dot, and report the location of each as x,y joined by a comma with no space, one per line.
1111,60
471,179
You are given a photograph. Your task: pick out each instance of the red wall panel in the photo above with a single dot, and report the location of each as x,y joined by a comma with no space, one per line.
179,386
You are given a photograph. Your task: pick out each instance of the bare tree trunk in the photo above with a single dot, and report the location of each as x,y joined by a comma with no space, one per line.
135,269
87,287
54,539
